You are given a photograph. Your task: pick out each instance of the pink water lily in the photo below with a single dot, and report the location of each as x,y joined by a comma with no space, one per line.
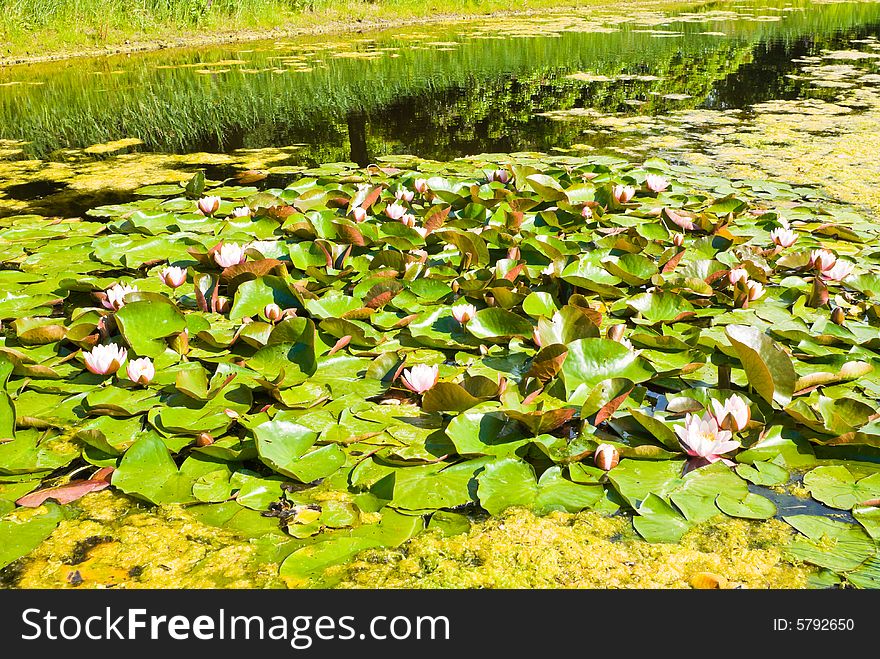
737,275
395,211
403,194
272,312
172,276
656,183
586,212
703,438
733,414
115,296
678,239
500,175
420,378
463,312
822,260
209,205
229,254
359,214
408,220
606,457
783,237
756,290
840,271
105,360
623,193
141,370
421,185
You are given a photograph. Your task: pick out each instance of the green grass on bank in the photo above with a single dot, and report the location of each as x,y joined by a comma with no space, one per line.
45,27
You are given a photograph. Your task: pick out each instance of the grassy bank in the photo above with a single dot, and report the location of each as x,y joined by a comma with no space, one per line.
38,29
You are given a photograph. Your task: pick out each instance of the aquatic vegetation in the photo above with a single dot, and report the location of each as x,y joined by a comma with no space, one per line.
331,386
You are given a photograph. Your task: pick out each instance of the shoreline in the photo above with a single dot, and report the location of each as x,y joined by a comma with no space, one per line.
334,26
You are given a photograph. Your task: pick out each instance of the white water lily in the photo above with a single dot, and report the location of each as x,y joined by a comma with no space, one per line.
229,254
421,185
115,296
141,370
359,214
105,360
420,378
241,211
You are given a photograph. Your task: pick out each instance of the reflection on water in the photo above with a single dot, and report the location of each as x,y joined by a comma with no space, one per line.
485,86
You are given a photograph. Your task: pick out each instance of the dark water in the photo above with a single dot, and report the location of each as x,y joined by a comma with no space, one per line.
438,92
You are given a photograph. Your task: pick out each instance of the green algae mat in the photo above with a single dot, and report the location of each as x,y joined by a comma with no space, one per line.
368,355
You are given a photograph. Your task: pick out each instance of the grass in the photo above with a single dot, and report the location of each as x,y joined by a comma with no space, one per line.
35,28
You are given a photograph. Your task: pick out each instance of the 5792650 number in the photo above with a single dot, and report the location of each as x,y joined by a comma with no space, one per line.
814,624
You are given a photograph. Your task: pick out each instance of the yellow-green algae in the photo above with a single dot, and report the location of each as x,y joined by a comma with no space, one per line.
117,543
584,550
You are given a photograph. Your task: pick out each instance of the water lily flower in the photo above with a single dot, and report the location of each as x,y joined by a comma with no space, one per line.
409,220
656,183
822,260
536,337
500,175
840,271
209,205
422,231
272,312
734,414
756,290
172,276
704,438
141,370
115,296
403,194
241,211
395,211
783,237
359,214
223,304
606,457
737,274
463,312
678,239
586,212
105,359
623,193
229,254
421,185
838,316
420,378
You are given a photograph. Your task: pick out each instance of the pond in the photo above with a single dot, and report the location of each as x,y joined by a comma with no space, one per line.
756,116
